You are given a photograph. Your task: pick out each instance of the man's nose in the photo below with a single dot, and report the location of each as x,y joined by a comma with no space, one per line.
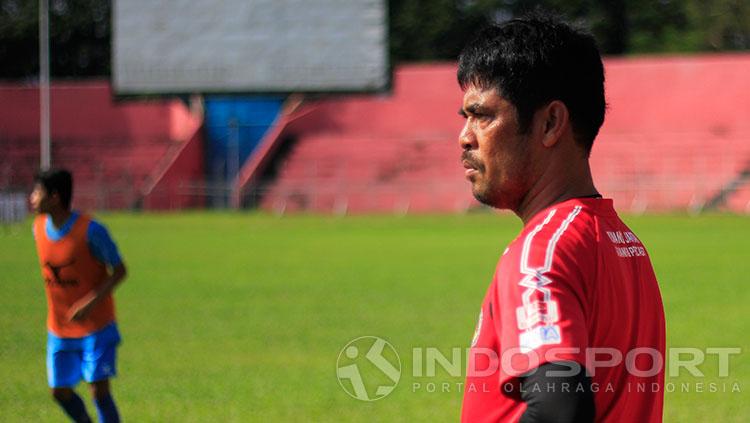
466,139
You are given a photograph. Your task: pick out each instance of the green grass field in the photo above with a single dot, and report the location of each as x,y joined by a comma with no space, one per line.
241,317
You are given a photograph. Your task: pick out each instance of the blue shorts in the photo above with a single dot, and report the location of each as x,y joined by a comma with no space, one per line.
91,357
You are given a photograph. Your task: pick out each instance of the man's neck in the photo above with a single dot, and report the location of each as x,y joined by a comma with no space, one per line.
59,217
551,189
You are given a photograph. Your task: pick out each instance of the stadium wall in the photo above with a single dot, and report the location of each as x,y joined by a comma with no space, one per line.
676,137
114,148
178,181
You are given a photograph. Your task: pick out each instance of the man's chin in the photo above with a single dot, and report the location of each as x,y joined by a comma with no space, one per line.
490,198
482,195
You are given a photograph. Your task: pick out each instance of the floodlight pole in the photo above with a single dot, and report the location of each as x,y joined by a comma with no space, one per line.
44,140
233,156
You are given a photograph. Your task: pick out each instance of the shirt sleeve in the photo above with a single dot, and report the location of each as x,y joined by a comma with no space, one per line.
101,244
557,399
544,297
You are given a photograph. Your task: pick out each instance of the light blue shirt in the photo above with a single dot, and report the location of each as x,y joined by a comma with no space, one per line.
100,242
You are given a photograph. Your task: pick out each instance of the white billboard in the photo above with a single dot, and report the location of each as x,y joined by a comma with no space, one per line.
186,46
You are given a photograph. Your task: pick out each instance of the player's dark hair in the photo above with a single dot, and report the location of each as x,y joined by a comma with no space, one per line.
534,60
58,181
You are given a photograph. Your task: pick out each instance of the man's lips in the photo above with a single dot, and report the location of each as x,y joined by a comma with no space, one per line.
468,165
471,170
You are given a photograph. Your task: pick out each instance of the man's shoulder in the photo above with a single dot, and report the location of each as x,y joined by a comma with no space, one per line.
93,225
40,220
567,232
560,225
97,233
37,225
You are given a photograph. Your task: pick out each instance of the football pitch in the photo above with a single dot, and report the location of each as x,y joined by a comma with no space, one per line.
242,316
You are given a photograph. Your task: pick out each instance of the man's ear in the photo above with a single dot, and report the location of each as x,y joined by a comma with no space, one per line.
554,121
54,199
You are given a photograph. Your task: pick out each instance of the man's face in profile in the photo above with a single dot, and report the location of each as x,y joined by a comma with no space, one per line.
495,152
40,200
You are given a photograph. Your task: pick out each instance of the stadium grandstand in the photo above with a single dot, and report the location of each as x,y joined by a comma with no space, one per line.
676,137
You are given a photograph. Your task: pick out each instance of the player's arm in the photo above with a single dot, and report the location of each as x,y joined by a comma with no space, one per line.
116,275
557,392
105,250
545,298
81,308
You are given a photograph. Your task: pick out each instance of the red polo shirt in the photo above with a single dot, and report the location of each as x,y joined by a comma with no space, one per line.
575,285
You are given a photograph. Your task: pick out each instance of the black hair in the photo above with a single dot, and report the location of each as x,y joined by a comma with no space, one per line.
58,181
537,59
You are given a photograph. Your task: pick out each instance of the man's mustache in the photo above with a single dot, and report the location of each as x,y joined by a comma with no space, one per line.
476,164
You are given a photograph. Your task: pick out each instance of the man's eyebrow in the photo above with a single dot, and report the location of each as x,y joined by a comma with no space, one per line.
473,108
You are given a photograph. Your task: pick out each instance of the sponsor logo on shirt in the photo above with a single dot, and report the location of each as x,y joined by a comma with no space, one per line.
56,279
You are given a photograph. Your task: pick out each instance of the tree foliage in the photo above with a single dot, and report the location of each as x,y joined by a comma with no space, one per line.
435,30
79,38
419,30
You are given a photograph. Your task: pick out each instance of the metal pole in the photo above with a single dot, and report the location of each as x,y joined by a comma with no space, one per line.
44,128
233,155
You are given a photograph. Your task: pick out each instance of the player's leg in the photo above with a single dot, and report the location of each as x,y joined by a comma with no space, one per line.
105,405
72,404
63,373
98,367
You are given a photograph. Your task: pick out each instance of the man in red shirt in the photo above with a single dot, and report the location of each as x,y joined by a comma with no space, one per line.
572,326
